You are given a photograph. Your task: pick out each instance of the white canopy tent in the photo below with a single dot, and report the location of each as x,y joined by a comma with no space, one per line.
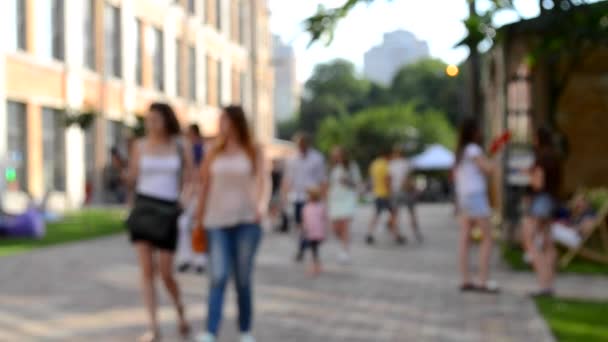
435,157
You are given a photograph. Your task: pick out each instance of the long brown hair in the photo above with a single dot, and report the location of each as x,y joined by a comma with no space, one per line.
236,115
469,134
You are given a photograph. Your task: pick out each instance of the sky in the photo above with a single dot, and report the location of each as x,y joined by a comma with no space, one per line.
439,22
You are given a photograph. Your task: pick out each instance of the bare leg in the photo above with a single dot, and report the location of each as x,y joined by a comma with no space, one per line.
341,229
485,251
145,253
393,224
549,255
414,222
465,245
166,271
530,228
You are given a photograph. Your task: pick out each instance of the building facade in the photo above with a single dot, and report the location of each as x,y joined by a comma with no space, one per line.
286,89
112,58
398,49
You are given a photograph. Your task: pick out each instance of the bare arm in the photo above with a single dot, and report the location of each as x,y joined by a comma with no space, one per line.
486,165
204,180
133,167
188,172
537,178
262,184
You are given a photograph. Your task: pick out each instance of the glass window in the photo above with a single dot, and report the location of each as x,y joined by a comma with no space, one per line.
192,6
159,61
242,22
89,34
16,25
178,69
114,136
218,14
192,72
17,141
218,68
53,149
112,41
242,85
90,144
57,29
137,31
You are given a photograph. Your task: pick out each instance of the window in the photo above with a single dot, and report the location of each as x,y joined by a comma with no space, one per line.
16,25
89,148
192,72
192,6
53,149
50,25
218,73
112,41
89,34
114,136
218,14
178,69
242,86
242,22
17,140
137,31
57,29
159,70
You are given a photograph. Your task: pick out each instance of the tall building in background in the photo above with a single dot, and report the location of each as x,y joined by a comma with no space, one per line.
398,48
113,58
286,90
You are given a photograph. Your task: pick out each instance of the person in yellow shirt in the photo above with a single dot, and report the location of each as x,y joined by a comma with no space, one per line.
381,187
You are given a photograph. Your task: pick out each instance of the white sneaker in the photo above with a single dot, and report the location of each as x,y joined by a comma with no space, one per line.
247,338
207,337
344,257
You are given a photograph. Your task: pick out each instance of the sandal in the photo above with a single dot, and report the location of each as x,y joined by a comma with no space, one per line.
149,336
487,289
467,287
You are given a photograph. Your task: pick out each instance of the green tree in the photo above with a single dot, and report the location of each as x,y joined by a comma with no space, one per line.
334,89
427,83
368,132
287,129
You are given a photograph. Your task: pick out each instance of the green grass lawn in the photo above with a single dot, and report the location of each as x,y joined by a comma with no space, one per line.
574,320
514,258
83,225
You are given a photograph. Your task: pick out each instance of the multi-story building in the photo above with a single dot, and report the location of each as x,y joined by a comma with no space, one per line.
286,90
112,58
398,48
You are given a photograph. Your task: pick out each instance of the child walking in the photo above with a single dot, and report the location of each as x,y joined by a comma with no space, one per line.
315,221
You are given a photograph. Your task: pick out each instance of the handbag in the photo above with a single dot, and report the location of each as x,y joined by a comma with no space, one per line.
152,219
199,241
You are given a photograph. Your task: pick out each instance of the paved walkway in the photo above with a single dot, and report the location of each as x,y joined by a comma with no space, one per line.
89,292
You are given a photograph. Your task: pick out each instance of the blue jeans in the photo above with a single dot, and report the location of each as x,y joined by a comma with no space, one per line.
231,252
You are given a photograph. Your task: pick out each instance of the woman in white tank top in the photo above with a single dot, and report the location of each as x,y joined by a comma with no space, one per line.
157,171
234,198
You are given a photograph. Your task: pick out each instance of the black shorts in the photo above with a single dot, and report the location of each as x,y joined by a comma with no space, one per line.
297,213
383,204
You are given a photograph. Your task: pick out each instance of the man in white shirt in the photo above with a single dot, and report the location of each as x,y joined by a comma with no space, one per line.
304,171
403,189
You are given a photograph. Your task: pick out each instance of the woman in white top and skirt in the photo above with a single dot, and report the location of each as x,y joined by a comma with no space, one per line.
158,169
234,199
343,196
472,170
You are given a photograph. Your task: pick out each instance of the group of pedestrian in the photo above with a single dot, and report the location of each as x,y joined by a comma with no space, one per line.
393,188
472,171
180,188
330,197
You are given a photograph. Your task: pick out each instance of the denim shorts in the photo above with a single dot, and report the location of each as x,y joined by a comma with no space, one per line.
542,206
475,205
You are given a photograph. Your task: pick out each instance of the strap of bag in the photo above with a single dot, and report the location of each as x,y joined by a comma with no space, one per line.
182,160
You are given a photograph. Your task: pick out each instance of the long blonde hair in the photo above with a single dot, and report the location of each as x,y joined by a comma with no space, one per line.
238,120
